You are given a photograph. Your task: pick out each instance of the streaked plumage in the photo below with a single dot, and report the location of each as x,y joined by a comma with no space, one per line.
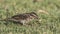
23,18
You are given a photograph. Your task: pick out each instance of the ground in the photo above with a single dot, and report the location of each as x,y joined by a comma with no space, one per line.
49,21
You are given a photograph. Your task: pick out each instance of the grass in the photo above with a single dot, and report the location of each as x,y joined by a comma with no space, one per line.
50,23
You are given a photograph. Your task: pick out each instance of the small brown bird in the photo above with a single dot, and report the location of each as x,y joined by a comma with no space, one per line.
34,1
23,18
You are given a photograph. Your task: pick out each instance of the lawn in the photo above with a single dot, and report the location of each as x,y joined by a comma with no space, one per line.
50,19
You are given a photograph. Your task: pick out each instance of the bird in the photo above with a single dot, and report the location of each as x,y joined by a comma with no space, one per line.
34,1
23,18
